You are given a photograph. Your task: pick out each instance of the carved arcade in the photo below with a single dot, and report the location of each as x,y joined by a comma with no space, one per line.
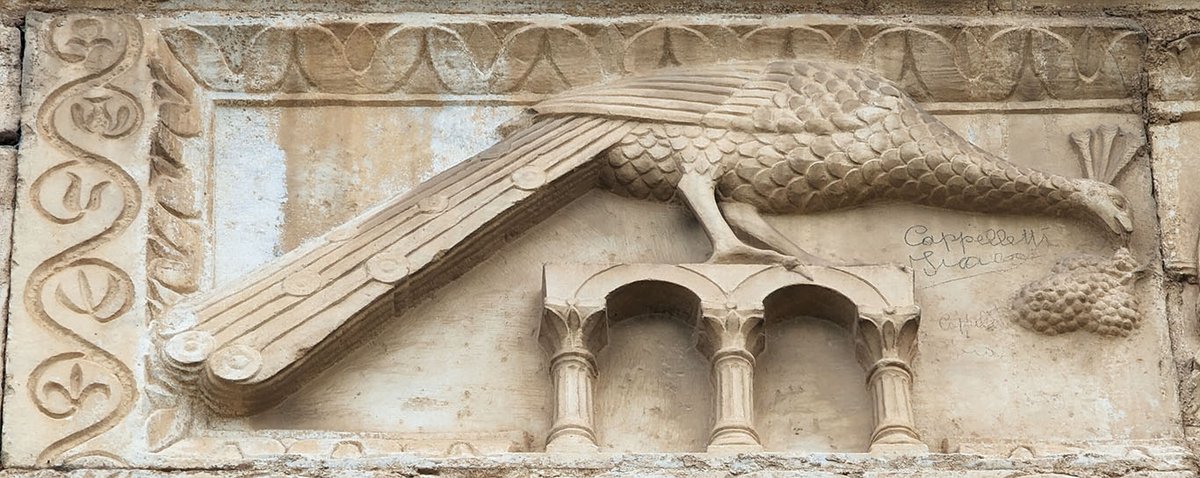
728,305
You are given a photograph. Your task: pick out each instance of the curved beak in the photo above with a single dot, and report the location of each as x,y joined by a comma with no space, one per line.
1121,223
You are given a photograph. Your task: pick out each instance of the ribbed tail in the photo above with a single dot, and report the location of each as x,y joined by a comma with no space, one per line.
246,344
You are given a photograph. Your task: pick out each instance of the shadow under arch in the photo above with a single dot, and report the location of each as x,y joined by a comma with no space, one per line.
811,300
652,297
809,393
653,389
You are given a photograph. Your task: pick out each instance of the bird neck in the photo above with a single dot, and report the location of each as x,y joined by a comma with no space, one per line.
1030,192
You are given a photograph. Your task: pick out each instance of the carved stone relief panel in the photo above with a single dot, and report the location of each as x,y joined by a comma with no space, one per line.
245,239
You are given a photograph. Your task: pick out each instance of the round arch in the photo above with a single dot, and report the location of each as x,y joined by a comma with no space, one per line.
652,297
811,300
603,283
849,286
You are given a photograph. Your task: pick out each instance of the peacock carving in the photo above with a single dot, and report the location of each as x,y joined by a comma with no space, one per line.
734,142
740,140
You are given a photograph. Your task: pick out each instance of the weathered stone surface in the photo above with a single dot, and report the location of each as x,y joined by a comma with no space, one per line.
690,466
366,243
10,83
8,182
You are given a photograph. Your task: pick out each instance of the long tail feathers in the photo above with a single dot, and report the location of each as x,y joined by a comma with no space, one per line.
308,305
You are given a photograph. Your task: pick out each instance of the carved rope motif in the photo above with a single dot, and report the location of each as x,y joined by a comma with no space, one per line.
174,249
91,386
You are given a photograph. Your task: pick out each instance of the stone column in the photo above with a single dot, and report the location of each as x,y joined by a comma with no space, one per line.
731,338
572,334
886,343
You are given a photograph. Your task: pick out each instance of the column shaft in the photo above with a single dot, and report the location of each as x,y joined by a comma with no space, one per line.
887,343
572,333
891,389
574,374
733,372
730,338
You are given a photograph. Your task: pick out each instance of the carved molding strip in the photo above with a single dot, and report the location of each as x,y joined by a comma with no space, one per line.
175,243
80,289
935,59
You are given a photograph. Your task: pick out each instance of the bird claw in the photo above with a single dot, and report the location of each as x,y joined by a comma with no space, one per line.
793,264
750,255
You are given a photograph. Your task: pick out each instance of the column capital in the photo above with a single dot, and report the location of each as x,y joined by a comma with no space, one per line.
574,327
727,329
887,335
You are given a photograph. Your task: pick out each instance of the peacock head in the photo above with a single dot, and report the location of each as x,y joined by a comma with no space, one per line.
1107,204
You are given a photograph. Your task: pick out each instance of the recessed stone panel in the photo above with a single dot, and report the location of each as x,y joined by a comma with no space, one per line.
559,243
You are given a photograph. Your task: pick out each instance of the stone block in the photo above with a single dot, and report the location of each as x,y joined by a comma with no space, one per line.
10,83
319,243
8,185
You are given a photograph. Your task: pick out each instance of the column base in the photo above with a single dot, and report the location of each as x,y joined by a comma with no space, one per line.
734,449
571,443
734,440
917,448
897,439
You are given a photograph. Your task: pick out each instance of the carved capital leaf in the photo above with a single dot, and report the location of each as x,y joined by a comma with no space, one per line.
887,335
571,326
729,329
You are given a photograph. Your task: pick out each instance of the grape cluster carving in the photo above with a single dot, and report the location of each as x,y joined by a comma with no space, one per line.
1083,292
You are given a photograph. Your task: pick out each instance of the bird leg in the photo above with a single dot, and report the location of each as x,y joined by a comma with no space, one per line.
699,192
746,218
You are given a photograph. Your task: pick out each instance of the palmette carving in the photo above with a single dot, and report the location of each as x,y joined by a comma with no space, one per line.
68,383
938,62
1180,78
1083,292
1105,151
67,192
106,112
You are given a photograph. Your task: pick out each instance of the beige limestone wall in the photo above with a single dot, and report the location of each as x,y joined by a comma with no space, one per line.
996,399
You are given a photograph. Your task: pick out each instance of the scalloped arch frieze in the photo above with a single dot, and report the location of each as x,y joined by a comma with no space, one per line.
934,59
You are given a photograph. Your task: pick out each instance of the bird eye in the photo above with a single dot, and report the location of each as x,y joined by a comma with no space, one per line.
1118,200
